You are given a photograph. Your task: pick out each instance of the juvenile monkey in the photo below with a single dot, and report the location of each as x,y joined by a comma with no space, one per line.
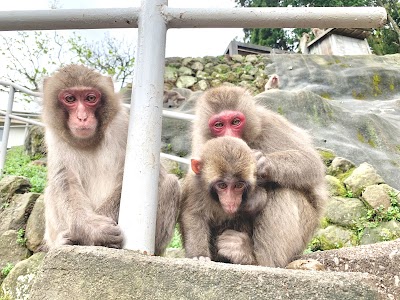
220,203
86,133
288,170
272,83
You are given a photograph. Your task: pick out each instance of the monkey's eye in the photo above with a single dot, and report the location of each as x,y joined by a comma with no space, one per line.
218,124
222,185
91,98
236,121
69,98
239,185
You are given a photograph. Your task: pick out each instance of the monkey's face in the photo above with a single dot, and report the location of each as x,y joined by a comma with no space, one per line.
230,193
81,103
227,123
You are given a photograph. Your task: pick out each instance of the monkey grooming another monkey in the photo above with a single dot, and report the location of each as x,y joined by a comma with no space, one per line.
86,132
288,170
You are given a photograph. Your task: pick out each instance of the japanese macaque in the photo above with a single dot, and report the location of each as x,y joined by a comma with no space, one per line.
288,170
172,99
221,201
272,83
305,38
86,133
318,32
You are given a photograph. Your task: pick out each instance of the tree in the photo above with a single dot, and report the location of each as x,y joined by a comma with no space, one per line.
382,41
31,56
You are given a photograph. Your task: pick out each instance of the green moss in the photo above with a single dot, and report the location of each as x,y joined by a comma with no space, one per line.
360,137
357,96
326,96
280,110
324,223
376,80
397,148
327,156
391,86
337,61
345,65
342,177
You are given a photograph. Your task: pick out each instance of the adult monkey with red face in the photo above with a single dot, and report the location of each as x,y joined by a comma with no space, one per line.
86,133
288,169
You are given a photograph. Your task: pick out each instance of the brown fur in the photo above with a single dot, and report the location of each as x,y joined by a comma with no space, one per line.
85,176
290,175
172,99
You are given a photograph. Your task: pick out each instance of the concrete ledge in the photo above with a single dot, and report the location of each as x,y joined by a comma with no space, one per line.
380,259
74,272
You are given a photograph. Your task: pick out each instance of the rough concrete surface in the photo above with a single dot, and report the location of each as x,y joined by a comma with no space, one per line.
75,272
380,259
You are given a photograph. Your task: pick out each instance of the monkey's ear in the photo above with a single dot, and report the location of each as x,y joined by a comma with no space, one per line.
196,165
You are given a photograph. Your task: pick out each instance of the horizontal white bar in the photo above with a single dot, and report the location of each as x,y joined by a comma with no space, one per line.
239,17
20,88
69,19
277,17
177,115
175,158
29,121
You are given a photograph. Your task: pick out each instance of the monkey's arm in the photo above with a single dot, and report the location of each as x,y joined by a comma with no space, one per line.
195,235
237,247
297,169
168,202
81,225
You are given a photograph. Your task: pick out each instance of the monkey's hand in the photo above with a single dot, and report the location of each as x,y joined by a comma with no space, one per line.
237,247
98,230
262,165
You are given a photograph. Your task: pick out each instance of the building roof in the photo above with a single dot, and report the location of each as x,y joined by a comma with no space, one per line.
350,32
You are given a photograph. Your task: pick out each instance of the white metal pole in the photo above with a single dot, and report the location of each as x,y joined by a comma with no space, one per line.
139,197
6,129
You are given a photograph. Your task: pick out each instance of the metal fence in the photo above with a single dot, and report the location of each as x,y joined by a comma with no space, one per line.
137,216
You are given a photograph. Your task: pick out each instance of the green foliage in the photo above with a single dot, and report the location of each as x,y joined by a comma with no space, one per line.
7,269
21,239
18,163
176,241
349,194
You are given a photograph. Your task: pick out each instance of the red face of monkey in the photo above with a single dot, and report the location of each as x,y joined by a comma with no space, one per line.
81,104
227,123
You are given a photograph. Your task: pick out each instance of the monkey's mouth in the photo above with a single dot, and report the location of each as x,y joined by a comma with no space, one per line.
83,131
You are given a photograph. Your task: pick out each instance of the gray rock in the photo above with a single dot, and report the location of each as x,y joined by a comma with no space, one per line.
201,85
247,77
251,58
336,188
184,71
202,75
345,211
237,57
34,142
11,251
18,283
16,214
377,196
35,226
383,232
186,81
222,68
67,273
10,185
334,236
197,66
340,165
187,60
362,177
170,74
215,82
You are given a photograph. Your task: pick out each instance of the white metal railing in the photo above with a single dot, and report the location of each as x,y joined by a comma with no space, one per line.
137,218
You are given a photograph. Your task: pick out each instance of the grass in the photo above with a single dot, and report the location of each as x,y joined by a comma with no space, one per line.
18,163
